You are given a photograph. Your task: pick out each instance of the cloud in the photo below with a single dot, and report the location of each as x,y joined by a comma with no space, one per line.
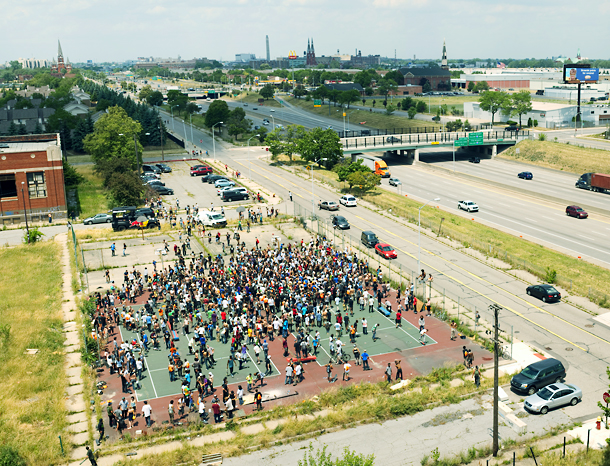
158,10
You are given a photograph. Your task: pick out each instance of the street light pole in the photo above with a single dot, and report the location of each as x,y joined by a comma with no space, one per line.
273,119
249,158
213,139
25,213
419,228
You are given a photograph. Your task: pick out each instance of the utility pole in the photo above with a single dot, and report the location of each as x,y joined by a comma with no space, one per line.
496,310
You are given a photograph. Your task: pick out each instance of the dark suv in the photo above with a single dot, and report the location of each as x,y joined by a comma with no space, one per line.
231,195
538,375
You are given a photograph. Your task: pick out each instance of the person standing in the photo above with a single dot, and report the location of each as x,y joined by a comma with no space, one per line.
365,326
356,355
365,361
388,373
289,194
146,411
329,372
170,411
100,429
375,332
453,330
476,373
398,369
259,400
113,249
346,367
422,336
91,456
216,410
124,249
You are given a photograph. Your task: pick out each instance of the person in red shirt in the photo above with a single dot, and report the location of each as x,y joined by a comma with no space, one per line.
216,410
398,319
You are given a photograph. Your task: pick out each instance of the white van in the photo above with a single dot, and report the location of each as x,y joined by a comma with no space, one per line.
211,219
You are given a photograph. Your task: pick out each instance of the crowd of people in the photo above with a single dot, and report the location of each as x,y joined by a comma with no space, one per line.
244,300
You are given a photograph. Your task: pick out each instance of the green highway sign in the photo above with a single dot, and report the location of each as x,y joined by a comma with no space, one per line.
461,142
475,139
317,102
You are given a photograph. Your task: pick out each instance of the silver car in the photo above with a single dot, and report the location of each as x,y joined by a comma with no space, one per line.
553,396
99,218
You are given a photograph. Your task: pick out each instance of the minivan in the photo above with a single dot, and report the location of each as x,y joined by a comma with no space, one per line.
538,375
369,239
211,219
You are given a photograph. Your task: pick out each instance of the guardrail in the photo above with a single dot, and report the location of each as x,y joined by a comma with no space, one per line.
412,130
428,138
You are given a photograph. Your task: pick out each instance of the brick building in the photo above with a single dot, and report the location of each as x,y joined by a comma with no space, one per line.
31,178
439,78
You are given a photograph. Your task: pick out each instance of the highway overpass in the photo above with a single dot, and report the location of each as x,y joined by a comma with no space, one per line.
485,142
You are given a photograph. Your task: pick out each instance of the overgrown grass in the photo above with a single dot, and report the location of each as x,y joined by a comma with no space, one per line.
560,156
91,193
369,119
32,412
540,260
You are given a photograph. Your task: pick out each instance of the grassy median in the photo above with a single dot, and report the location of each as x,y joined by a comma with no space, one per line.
32,412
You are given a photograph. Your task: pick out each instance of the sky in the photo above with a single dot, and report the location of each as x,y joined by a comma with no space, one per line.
111,30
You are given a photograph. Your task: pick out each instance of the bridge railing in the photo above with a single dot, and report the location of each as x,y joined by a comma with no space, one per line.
411,130
426,138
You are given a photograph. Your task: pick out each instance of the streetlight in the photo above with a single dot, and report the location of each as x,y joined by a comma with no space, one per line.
249,158
312,196
135,142
273,120
419,228
25,212
213,140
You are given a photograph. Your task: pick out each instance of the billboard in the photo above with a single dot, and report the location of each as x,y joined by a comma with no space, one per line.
578,74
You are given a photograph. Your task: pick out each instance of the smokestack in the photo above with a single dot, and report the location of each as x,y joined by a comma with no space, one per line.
268,54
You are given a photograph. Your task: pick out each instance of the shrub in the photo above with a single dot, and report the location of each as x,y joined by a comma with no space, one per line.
551,275
10,457
32,236
535,122
542,137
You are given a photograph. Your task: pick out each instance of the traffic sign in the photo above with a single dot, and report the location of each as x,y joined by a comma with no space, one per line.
606,397
461,142
475,139
317,102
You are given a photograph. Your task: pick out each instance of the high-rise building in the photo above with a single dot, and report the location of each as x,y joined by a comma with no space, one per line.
268,54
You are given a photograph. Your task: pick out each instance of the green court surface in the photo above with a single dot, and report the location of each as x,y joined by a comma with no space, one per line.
155,381
389,339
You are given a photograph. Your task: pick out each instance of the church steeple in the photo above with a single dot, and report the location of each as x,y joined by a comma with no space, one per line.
60,54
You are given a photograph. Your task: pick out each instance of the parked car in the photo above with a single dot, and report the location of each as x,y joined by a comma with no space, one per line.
157,182
526,176
552,396
340,222
224,183
214,178
164,167
211,219
385,250
547,293
234,195
162,190
392,139
348,201
474,160
199,170
328,205
151,169
511,128
468,206
369,239
99,218
394,182
538,375
575,211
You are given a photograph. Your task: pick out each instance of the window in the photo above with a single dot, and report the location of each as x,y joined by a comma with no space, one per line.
36,185
8,188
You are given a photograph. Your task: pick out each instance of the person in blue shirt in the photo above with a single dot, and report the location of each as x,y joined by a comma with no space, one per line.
365,361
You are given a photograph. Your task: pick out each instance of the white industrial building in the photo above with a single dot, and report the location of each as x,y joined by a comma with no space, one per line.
548,115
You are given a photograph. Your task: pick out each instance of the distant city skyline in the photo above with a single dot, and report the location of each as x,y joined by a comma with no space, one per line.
115,32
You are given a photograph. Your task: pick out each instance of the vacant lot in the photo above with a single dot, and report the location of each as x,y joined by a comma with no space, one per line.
560,156
32,413
369,119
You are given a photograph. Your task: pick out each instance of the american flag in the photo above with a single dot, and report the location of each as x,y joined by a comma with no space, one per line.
500,65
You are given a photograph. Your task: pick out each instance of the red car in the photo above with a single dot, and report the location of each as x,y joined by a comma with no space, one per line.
575,211
385,250
199,170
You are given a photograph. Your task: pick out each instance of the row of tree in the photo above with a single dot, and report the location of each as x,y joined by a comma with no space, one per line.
517,104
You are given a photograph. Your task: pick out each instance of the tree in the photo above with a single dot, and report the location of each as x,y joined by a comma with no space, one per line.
113,137
145,92
217,111
426,87
368,90
390,109
125,189
274,142
492,102
481,86
191,108
412,111
374,102
267,91
321,144
470,87
237,122
522,104
421,107
177,100
346,168
364,181
155,98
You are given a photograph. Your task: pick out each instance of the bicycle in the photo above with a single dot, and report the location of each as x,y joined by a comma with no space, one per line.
503,352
